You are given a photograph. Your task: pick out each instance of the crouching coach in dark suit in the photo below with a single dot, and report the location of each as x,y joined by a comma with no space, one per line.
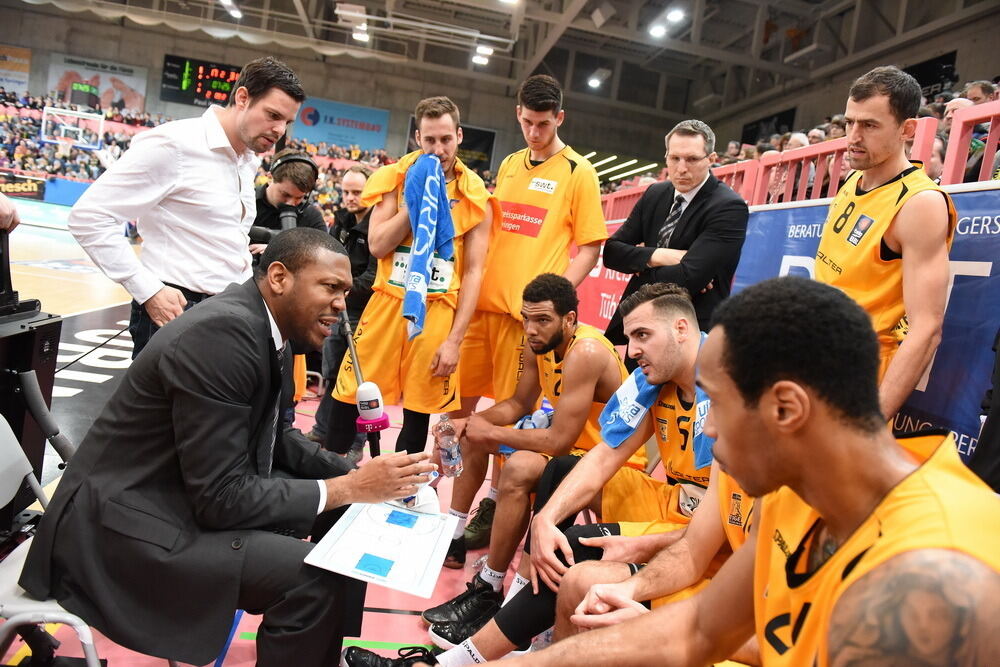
687,231
172,513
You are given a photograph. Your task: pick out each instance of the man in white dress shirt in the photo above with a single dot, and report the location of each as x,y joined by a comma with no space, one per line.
189,185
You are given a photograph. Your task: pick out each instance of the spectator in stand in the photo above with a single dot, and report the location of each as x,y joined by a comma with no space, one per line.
980,92
838,128
936,164
733,149
816,136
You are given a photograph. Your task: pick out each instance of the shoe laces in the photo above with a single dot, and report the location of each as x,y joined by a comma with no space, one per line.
480,516
415,652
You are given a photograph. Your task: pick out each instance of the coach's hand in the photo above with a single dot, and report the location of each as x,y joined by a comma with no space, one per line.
165,305
607,604
385,477
445,359
8,214
546,540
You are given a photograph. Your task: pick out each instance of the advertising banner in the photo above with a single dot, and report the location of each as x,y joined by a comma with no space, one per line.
345,125
783,241
15,65
88,79
23,187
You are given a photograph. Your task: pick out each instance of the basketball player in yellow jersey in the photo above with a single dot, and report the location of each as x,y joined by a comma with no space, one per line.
577,369
551,199
900,562
887,235
420,371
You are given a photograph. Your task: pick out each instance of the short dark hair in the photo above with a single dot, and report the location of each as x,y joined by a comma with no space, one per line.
667,298
302,174
435,107
987,87
296,248
902,90
694,128
359,169
261,75
540,93
554,288
808,332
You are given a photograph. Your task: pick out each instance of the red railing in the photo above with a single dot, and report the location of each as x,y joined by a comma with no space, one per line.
740,176
959,140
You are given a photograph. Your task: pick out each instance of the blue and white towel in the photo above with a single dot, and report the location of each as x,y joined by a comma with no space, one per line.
634,398
426,193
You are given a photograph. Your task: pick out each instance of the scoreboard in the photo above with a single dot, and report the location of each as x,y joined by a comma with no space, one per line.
197,82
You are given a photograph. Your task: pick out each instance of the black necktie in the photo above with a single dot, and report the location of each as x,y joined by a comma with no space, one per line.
671,222
268,461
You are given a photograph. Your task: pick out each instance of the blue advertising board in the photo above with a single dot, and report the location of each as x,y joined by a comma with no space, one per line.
322,120
782,240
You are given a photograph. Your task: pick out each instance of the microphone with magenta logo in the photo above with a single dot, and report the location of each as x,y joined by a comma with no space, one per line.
371,410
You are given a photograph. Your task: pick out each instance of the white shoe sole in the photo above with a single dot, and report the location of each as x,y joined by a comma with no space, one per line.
438,640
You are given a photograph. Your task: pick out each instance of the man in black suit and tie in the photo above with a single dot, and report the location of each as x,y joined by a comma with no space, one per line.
182,505
688,230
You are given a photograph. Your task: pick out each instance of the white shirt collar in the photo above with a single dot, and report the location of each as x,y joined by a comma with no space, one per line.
216,136
279,342
690,194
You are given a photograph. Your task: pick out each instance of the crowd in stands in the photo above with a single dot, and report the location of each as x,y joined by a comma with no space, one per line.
20,148
941,106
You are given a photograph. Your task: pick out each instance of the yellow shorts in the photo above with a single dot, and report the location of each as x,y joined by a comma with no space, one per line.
491,360
401,368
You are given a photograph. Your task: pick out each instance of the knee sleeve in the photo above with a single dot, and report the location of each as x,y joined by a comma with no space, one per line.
554,473
341,427
413,436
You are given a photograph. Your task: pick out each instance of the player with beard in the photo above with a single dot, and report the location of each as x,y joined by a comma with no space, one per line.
189,185
576,369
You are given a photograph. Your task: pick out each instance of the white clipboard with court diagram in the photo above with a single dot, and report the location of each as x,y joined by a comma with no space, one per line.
387,545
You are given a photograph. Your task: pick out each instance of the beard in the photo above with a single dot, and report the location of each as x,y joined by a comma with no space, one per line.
550,344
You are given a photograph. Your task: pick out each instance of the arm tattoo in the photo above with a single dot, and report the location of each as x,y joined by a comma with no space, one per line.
926,608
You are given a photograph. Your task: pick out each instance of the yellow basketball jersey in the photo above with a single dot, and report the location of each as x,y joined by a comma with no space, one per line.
550,377
546,207
469,201
941,505
676,424
735,506
851,255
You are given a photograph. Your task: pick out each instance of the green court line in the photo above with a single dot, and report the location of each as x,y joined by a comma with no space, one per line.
383,646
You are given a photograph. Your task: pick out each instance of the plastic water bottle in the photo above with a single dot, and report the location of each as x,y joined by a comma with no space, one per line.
447,442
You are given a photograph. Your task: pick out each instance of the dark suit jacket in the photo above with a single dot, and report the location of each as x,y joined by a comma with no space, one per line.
144,537
711,229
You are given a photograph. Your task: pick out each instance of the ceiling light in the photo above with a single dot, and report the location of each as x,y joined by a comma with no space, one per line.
604,161
481,60
599,76
361,35
675,15
226,3
589,155
509,2
657,30
484,50
235,13
363,27
617,167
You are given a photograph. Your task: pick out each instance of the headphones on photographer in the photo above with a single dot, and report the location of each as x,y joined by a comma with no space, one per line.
297,157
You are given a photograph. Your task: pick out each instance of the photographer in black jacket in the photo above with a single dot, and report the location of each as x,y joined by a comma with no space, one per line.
285,201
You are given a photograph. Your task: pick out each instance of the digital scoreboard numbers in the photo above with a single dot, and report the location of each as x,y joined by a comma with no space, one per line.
197,82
